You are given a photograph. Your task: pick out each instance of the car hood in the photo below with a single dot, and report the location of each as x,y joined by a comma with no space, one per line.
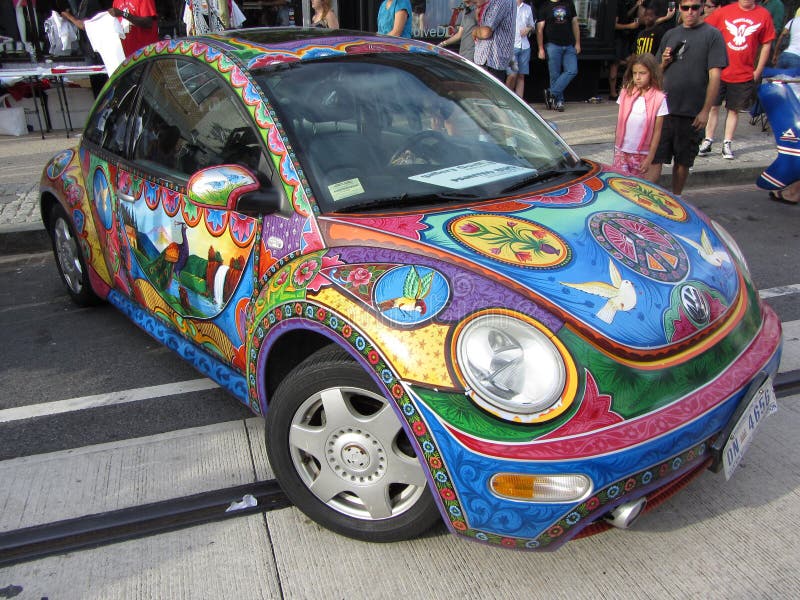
613,255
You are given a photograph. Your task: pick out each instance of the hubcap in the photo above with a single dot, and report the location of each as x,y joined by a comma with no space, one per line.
67,254
356,456
349,449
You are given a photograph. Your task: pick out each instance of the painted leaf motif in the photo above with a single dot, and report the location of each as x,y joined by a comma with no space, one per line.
411,284
425,285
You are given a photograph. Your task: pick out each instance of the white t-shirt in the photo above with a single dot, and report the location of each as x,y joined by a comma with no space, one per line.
524,19
637,121
794,36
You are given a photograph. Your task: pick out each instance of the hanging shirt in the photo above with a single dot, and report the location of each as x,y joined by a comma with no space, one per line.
104,33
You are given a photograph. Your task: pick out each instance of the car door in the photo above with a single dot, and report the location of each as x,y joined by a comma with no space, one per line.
104,147
190,265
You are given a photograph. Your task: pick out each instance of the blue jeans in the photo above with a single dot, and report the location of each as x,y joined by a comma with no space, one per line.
787,60
562,63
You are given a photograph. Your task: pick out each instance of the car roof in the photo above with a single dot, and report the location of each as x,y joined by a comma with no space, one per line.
304,43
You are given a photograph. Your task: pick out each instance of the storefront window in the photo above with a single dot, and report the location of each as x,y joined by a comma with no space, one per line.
588,16
435,19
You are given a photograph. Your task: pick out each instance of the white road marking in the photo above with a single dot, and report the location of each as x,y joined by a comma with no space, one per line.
74,404
784,290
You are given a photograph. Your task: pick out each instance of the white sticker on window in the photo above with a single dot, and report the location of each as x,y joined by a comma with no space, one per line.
345,189
475,173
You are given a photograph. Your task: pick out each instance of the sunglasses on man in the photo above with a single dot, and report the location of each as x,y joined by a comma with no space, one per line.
688,7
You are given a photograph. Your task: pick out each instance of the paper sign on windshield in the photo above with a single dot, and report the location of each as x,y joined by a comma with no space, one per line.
474,173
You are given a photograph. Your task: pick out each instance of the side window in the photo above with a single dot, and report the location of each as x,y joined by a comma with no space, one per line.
109,124
190,119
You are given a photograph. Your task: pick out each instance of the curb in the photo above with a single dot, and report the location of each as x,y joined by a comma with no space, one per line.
716,177
24,238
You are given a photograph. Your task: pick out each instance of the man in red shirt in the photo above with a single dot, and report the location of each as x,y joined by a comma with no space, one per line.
748,31
143,19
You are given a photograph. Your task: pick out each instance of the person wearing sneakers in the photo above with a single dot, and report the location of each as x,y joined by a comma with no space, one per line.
559,28
692,56
748,32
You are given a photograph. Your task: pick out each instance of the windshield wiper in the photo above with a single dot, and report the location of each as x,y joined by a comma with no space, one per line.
404,201
544,176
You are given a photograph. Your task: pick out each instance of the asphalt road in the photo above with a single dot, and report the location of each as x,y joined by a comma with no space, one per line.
714,540
56,351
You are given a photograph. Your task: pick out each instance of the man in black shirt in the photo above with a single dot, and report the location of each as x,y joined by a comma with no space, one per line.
558,27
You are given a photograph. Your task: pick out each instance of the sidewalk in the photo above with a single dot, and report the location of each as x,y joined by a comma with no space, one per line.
588,128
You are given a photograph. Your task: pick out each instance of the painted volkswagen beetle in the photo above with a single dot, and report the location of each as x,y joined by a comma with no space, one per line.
441,311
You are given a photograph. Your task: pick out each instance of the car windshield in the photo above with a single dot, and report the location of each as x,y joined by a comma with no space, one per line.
393,130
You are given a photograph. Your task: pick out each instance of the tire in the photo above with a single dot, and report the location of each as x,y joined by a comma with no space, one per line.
69,258
341,455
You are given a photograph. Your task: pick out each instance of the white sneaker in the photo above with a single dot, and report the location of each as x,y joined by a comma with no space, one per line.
726,150
705,147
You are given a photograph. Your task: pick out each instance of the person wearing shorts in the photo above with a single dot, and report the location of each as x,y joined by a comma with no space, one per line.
680,141
520,65
692,56
748,32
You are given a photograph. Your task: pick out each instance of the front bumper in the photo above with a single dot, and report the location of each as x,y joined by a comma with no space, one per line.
636,458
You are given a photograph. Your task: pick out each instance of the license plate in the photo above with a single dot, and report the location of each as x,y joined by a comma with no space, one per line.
762,404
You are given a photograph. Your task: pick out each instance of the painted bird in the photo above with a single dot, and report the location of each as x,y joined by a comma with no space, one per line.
706,251
415,289
620,293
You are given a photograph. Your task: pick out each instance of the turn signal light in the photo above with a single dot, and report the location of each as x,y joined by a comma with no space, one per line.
541,488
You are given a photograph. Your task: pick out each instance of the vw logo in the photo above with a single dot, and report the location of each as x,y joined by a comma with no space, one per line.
696,306
355,457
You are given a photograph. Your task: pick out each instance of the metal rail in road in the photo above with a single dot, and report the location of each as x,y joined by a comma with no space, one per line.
139,521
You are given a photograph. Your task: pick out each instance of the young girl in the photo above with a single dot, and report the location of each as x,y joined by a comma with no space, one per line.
642,106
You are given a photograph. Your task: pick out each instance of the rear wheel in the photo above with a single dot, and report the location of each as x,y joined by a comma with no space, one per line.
69,258
341,454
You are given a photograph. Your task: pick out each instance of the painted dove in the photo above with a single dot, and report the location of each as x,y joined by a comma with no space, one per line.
620,293
705,250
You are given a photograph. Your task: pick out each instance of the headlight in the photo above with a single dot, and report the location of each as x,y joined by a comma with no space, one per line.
515,369
727,238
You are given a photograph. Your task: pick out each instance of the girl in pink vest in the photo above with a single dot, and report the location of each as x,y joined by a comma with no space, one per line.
642,106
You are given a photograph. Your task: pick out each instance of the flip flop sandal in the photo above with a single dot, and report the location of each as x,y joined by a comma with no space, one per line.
778,197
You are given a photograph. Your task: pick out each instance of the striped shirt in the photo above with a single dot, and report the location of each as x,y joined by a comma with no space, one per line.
498,50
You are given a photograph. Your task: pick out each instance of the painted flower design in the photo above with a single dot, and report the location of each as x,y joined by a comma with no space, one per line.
447,494
520,240
305,272
74,195
320,279
359,276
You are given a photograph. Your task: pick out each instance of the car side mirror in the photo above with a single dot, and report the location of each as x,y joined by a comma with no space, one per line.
232,187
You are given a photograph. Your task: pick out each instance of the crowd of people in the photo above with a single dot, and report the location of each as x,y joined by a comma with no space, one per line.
682,62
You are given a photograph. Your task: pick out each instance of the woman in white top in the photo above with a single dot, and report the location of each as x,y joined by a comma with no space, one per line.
790,57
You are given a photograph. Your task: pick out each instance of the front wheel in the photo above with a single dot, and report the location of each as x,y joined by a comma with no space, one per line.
341,455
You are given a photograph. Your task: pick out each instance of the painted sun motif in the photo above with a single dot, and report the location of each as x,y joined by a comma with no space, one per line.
649,197
511,240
